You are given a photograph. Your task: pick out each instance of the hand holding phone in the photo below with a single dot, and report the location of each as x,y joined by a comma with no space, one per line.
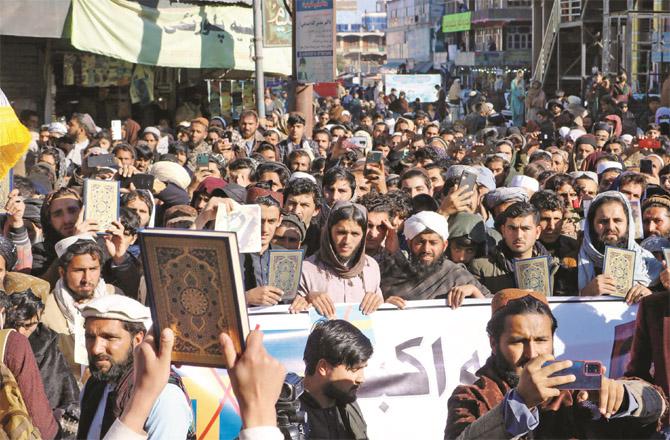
468,180
588,375
202,160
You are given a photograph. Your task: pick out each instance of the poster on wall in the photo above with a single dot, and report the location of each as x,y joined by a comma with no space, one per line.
315,41
276,24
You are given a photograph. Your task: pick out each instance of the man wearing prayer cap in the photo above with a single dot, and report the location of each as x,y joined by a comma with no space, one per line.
79,266
427,273
520,228
530,185
114,326
500,199
515,394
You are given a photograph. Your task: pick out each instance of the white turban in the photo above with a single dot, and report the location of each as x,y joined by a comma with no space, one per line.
525,182
423,220
63,245
171,172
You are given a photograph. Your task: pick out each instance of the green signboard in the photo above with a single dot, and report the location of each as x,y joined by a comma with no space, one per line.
456,22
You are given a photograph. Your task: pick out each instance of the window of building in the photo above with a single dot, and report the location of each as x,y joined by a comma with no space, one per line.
518,37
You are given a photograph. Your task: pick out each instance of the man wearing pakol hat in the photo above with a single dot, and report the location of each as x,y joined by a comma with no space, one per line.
656,216
427,273
520,228
79,266
610,222
516,394
114,326
500,199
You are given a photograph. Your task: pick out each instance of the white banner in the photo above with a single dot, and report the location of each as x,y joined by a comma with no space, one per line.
420,355
415,86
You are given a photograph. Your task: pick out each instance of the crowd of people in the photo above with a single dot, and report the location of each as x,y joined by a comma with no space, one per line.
373,194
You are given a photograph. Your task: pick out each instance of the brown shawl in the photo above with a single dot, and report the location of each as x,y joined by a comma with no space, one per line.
327,255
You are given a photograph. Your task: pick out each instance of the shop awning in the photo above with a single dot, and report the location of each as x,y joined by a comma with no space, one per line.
34,18
188,36
423,67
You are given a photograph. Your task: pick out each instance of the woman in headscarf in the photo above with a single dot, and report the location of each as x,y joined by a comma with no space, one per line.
517,103
340,272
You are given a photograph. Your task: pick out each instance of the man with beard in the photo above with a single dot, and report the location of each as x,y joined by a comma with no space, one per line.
198,141
608,223
564,248
335,356
428,273
656,216
516,396
114,326
520,228
79,264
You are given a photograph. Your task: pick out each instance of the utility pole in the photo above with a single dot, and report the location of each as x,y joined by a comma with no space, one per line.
258,58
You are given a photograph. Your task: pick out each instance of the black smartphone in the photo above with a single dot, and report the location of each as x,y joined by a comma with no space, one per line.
468,180
202,160
646,166
588,374
374,157
143,181
101,161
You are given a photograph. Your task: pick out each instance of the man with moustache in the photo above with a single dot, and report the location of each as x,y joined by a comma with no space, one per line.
516,394
520,228
608,223
79,266
335,356
114,326
656,216
427,273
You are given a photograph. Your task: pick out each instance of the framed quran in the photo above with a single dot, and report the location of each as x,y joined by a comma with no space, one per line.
285,269
620,265
195,287
533,274
102,201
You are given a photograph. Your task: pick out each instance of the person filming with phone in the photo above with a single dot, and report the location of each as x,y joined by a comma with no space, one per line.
522,392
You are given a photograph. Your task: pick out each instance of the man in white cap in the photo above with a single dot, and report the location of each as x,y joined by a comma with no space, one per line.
428,273
114,326
528,184
79,266
608,171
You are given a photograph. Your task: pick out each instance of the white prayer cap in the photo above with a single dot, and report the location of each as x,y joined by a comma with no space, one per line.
153,130
525,182
166,171
57,128
63,245
423,220
627,138
608,165
576,134
302,175
588,174
564,132
657,157
346,113
118,307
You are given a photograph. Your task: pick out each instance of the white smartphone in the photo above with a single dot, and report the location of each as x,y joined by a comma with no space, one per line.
116,130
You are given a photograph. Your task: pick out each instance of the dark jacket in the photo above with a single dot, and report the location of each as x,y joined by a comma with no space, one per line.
126,276
496,270
565,250
342,422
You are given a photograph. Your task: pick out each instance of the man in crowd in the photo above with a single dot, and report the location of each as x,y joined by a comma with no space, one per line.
516,392
609,223
198,141
520,228
302,197
428,273
114,326
336,355
250,138
296,139
656,216
79,266
562,247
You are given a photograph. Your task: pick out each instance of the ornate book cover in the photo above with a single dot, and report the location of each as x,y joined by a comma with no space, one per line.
101,201
533,274
194,279
620,265
285,268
